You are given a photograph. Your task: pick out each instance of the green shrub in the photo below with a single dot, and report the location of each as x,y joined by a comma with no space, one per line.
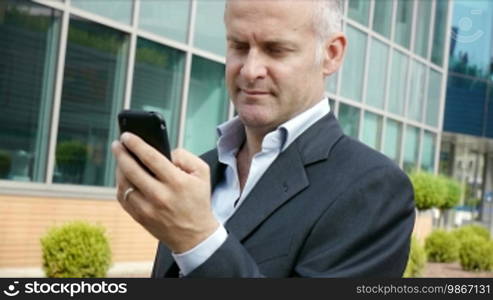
476,254
442,246
77,250
5,163
429,190
464,232
71,158
452,194
416,261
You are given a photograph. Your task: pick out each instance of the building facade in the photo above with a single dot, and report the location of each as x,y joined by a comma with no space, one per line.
67,67
467,143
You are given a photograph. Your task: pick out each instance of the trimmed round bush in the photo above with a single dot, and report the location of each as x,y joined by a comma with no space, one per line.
476,254
429,190
76,250
442,246
416,261
464,232
452,194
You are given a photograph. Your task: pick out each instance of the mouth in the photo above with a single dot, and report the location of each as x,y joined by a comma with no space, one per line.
254,92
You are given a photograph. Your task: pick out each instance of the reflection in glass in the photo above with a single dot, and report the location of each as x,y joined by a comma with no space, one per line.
441,12
372,130
411,149
383,17
428,152
422,28
93,87
167,18
28,54
120,10
471,45
403,22
207,105
353,67
417,91
209,26
398,80
434,95
376,79
393,135
359,10
349,119
465,105
157,82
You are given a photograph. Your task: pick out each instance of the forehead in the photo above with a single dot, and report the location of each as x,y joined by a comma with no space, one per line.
264,16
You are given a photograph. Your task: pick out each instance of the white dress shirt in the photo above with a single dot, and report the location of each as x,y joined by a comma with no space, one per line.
227,196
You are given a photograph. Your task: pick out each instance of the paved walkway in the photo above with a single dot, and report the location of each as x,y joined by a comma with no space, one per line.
451,270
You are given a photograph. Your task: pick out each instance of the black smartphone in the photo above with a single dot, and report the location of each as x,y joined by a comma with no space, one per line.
149,126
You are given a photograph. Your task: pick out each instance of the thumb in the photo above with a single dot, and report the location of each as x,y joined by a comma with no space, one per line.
190,163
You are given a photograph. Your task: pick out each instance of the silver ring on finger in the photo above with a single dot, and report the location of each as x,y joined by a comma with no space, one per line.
127,193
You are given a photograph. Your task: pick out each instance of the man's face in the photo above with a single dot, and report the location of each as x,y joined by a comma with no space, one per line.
271,71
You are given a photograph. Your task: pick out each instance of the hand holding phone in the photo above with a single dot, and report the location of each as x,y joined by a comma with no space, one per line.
149,126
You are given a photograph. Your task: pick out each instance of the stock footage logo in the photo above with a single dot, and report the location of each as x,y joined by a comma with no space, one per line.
11,290
466,32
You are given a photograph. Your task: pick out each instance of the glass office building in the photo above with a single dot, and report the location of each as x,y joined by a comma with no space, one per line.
467,143
67,67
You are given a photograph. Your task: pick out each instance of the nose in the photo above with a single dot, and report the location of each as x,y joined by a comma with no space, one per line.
253,67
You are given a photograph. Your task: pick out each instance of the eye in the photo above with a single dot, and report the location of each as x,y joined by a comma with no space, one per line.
239,46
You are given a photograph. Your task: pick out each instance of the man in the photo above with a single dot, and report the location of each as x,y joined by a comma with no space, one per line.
286,193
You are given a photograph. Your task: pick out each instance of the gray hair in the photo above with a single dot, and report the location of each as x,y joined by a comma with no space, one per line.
327,20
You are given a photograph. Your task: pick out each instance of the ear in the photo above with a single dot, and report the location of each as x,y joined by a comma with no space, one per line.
334,50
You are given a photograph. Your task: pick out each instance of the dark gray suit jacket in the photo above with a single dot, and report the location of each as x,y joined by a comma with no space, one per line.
328,206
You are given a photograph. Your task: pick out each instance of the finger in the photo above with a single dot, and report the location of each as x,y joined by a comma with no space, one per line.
190,163
132,172
159,165
136,206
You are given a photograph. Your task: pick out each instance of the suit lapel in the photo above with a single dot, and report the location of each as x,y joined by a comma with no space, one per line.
285,177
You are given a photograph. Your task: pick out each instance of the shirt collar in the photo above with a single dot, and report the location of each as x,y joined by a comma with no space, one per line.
232,133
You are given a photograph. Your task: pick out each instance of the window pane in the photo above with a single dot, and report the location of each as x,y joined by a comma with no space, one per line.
466,101
434,95
372,129
93,87
383,17
423,28
472,38
411,145
358,11
28,54
417,91
210,33
403,22
441,12
428,152
379,53
353,68
392,145
118,10
167,18
349,119
207,105
398,79
157,83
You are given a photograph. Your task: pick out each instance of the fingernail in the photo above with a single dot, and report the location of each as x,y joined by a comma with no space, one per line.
125,136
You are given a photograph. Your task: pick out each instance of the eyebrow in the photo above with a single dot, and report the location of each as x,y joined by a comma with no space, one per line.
274,42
